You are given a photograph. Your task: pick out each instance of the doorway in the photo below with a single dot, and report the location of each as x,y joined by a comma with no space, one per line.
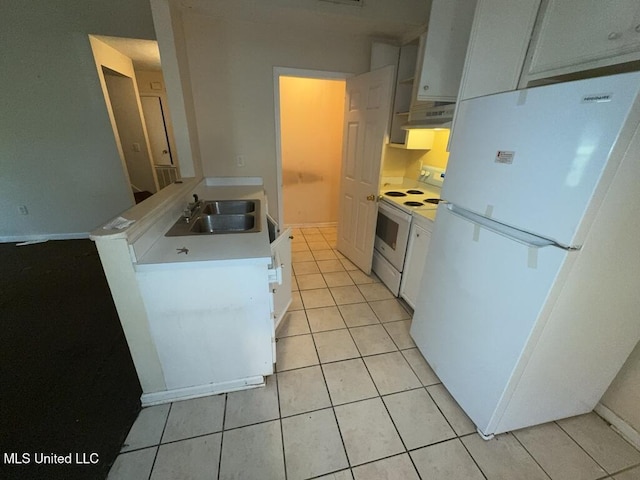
133,86
309,129
130,132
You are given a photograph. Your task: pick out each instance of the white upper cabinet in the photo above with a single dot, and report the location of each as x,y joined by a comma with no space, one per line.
577,35
498,46
443,48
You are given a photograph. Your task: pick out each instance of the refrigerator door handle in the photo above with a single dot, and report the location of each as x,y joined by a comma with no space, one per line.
515,234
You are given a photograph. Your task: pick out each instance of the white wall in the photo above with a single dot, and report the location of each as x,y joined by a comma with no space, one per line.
58,155
623,396
231,69
167,18
145,79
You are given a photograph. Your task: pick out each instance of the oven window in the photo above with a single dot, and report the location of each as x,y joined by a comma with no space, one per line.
387,230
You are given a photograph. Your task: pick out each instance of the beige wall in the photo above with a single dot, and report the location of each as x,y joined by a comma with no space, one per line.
407,163
623,396
231,70
438,155
311,114
145,79
59,156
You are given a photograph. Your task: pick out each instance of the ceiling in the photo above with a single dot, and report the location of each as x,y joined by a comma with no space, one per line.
144,53
401,20
397,20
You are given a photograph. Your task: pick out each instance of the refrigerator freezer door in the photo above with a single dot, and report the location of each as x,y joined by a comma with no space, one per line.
532,158
480,298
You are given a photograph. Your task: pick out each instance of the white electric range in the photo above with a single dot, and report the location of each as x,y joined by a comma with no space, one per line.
395,212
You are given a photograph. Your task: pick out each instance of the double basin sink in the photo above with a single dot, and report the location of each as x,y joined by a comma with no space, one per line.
211,217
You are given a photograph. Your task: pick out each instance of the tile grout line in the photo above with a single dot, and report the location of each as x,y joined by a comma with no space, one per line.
583,449
457,436
155,457
224,419
389,414
473,459
332,406
345,328
531,455
284,454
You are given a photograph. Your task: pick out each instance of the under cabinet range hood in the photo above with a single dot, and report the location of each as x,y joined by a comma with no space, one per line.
439,115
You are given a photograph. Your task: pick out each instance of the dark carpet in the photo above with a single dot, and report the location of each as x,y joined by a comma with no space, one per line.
67,382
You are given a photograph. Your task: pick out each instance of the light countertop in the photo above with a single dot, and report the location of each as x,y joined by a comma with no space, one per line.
228,248
151,250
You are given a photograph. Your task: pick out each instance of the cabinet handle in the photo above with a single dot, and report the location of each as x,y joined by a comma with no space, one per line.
614,35
637,29
426,87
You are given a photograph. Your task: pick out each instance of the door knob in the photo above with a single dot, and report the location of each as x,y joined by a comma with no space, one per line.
371,198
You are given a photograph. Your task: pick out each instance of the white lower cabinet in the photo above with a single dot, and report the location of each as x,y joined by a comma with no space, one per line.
419,237
281,287
211,324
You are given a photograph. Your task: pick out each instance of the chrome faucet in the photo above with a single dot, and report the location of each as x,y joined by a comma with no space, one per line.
191,208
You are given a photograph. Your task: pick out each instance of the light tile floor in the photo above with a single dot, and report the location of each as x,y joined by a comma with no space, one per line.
353,399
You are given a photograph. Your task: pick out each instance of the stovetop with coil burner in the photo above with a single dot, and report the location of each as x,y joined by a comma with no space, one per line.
411,199
423,197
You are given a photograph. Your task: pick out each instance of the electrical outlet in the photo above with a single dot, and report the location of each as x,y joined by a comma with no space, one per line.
240,160
23,210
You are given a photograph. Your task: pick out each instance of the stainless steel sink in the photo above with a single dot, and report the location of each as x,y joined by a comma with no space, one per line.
216,217
228,207
222,223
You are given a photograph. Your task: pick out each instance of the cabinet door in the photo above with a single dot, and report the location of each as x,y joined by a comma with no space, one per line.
404,91
281,255
497,46
444,49
575,35
414,264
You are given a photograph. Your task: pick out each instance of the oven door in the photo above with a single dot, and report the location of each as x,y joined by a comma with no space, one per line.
392,234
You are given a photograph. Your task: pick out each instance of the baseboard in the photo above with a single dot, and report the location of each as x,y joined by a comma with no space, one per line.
619,425
311,225
43,237
167,396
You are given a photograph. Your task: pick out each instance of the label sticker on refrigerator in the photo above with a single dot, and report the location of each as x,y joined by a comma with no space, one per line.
505,156
597,98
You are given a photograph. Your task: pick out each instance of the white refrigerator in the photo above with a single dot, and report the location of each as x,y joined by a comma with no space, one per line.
530,299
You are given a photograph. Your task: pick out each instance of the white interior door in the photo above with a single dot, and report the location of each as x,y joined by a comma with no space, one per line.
156,129
366,127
